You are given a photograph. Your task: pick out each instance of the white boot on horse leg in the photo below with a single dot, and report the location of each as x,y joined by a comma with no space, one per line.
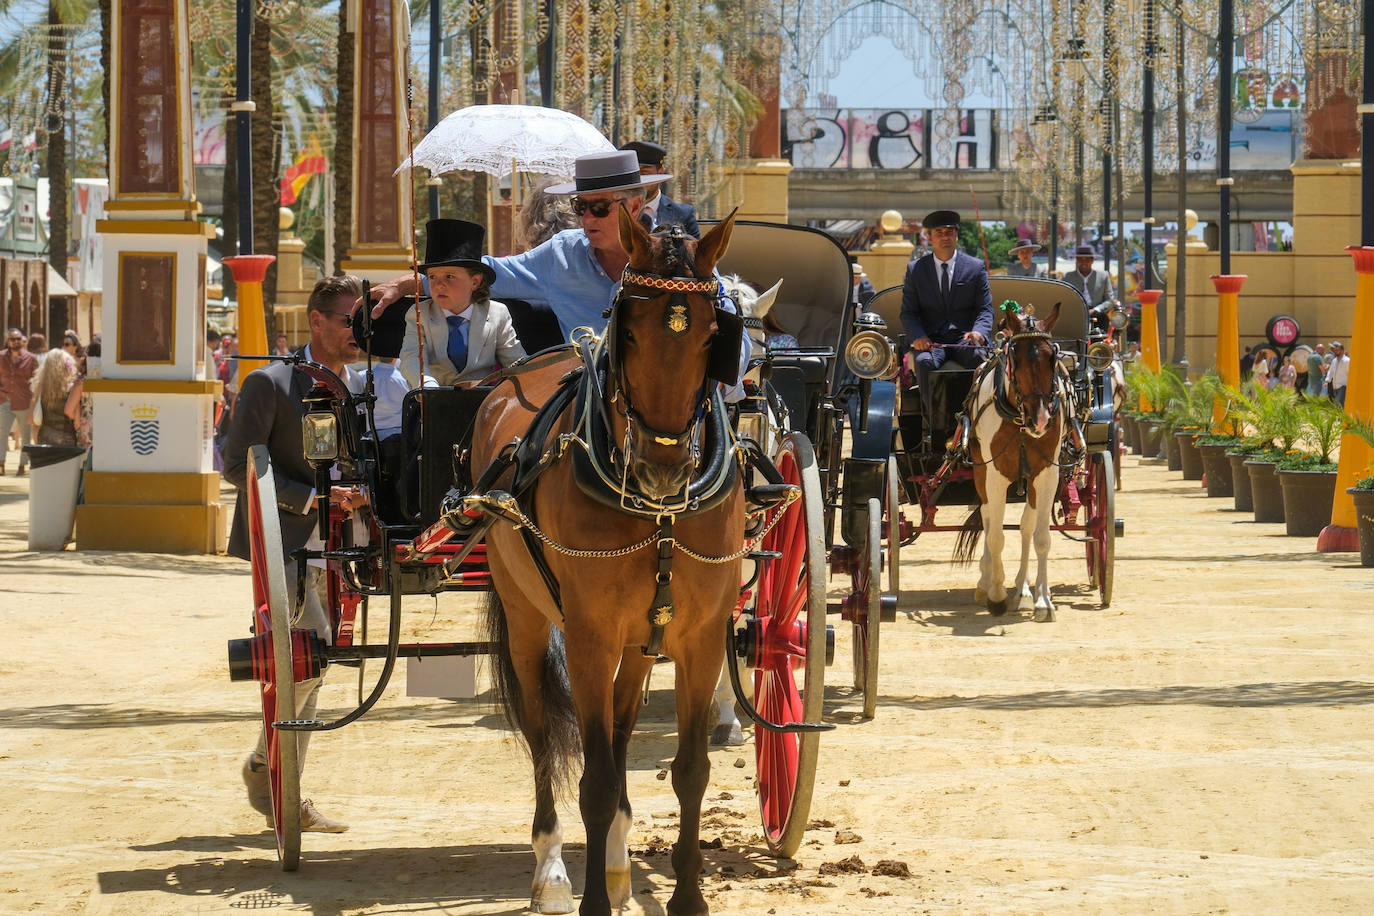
618,859
727,730
551,891
993,577
1025,600
1043,606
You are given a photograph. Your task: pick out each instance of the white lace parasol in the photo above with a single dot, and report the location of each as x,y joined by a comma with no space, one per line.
497,139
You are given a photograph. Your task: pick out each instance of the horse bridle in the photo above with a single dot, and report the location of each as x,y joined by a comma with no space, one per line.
1052,397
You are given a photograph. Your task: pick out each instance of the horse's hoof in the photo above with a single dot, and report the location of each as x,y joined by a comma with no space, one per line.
553,900
618,886
997,608
727,733
687,903
1044,615
1027,603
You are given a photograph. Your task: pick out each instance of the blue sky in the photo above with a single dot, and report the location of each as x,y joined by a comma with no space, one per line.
878,75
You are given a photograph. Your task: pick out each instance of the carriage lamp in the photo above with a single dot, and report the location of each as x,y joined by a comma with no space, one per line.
869,354
319,428
1100,355
1117,316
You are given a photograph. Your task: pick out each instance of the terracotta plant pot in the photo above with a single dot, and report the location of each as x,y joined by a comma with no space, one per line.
1189,456
1216,469
1174,452
1240,482
1131,427
1265,490
1307,498
1364,523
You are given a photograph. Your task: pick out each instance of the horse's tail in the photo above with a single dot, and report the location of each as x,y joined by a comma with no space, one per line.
967,543
561,745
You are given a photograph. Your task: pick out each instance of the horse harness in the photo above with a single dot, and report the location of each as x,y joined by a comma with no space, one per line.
602,471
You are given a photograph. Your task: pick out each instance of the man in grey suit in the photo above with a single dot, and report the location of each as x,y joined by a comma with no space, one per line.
946,305
268,411
662,209
1022,265
1095,286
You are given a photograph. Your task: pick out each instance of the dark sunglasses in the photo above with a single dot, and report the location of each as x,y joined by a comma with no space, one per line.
599,208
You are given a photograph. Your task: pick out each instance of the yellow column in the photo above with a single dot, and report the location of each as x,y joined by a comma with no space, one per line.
1149,334
1228,339
1355,458
249,271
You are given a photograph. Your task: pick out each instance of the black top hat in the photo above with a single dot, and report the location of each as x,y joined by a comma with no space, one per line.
382,336
596,173
648,153
455,243
1024,245
939,219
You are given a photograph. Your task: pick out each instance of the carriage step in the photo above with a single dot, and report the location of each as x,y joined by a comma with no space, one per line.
298,725
757,555
1120,527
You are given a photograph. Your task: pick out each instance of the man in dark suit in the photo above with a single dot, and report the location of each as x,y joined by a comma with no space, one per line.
268,411
946,305
662,209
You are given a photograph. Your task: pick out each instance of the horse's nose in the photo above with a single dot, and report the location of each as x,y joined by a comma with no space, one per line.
661,482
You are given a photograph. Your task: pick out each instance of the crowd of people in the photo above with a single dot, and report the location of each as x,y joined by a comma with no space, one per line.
42,394
1323,373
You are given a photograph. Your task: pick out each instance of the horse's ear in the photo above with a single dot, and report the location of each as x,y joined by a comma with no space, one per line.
765,301
1048,323
712,246
1012,321
634,238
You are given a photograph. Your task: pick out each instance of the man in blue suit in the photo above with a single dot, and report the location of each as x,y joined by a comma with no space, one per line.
946,305
661,209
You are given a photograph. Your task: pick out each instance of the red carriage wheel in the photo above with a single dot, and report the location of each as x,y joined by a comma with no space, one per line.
791,610
1101,521
894,529
272,616
866,600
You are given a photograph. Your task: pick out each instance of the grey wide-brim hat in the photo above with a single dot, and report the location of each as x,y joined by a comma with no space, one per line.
598,173
1024,245
1084,251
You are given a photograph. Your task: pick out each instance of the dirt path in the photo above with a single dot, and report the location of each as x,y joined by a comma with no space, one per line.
1203,746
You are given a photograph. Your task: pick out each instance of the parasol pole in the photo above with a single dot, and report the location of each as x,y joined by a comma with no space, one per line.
978,218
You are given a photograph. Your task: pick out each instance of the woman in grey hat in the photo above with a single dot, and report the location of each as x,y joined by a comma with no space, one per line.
1022,265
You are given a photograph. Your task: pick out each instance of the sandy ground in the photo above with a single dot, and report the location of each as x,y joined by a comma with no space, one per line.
1203,746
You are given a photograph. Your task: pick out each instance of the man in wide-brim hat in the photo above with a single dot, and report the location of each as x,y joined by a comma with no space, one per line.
1094,285
576,271
1022,265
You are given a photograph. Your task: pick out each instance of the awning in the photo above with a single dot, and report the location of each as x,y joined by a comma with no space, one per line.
59,287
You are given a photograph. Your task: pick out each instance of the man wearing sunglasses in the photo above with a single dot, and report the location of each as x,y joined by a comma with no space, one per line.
17,366
576,271
268,412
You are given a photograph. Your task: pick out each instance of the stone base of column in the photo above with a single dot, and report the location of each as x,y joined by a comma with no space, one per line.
1338,539
151,513
377,264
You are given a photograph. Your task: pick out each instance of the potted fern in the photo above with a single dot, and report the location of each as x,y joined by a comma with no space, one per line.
1363,493
1307,470
1272,417
1214,446
1152,393
1190,407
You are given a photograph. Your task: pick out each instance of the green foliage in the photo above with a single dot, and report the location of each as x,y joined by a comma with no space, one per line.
1219,439
999,238
1148,389
1320,424
1298,460
1365,483
1188,406
1270,416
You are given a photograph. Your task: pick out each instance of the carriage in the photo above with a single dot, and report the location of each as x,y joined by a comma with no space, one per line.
932,476
423,537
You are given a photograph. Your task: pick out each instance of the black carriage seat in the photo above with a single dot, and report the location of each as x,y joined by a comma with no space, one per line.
949,388
434,421
800,381
536,326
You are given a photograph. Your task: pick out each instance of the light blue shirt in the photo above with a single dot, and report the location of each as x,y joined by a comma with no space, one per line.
562,273
390,388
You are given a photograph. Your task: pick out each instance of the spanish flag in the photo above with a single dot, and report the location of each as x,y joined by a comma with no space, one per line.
311,161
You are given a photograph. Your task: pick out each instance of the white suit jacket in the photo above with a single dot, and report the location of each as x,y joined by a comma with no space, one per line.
491,344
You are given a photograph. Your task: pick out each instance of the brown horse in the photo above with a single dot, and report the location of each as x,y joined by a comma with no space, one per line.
651,410
1017,417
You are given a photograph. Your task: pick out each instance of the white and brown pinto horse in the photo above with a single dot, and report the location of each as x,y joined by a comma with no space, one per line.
1017,418
596,572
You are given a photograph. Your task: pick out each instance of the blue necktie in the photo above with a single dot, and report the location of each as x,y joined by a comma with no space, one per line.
457,342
